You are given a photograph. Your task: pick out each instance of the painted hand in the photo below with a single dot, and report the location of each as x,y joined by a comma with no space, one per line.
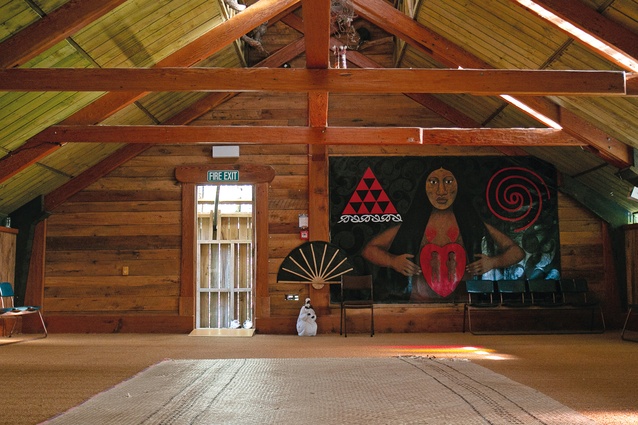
483,264
404,265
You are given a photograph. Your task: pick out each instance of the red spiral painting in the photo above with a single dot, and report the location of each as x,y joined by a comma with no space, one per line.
516,195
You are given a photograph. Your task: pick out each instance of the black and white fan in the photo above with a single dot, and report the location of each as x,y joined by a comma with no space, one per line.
317,263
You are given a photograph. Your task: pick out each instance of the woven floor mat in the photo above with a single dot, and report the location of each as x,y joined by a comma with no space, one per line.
399,390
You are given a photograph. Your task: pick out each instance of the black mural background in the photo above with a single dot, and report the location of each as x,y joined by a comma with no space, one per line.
533,228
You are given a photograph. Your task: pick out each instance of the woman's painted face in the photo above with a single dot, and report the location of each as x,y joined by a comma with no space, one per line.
441,188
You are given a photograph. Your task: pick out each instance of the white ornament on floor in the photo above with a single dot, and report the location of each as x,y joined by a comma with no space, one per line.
307,320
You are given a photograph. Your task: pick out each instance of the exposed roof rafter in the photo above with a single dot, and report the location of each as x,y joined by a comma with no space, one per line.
216,39
51,29
438,47
605,37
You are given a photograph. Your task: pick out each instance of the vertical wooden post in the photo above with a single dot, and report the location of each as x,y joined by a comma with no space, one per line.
262,297
34,292
188,264
318,222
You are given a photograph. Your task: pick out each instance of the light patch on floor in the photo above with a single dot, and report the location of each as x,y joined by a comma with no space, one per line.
222,332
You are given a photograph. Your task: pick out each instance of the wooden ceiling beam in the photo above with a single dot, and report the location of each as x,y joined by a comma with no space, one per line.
27,154
58,196
418,36
110,103
426,100
399,80
199,49
51,29
227,32
316,20
318,109
424,39
590,21
434,104
612,150
162,134
231,134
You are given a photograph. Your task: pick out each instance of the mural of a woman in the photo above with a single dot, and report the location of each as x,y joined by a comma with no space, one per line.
441,240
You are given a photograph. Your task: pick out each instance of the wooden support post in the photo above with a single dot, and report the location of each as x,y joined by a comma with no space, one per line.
318,223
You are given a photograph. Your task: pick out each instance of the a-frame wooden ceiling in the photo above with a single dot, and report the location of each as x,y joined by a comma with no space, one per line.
86,85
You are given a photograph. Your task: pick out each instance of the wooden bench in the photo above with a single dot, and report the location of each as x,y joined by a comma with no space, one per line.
534,296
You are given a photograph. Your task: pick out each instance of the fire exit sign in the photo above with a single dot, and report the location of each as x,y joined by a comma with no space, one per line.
222,176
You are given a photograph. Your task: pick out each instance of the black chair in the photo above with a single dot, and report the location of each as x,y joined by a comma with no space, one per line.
575,295
480,295
512,293
624,328
543,292
356,293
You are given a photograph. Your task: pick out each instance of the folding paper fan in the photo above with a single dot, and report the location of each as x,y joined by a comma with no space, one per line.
316,263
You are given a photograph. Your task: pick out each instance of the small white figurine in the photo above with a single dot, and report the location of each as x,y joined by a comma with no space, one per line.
307,321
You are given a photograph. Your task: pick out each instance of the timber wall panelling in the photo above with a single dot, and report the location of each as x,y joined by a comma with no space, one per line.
8,238
631,245
7,254
133,218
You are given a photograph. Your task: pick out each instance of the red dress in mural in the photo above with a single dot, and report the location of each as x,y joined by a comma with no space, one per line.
442,266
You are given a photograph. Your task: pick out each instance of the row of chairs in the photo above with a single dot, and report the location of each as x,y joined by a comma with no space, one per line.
8,308
530,294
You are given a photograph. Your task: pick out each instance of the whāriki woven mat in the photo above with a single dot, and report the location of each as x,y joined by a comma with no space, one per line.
398,390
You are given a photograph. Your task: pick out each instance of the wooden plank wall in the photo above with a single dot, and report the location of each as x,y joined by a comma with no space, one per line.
631,246
131,218
586,251
8,238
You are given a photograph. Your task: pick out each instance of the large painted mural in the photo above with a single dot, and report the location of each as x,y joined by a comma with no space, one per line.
422,225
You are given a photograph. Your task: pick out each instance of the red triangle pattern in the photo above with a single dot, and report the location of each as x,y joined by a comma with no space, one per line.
369,198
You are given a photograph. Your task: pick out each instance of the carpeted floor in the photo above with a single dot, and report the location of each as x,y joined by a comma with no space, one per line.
396,390
594,375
